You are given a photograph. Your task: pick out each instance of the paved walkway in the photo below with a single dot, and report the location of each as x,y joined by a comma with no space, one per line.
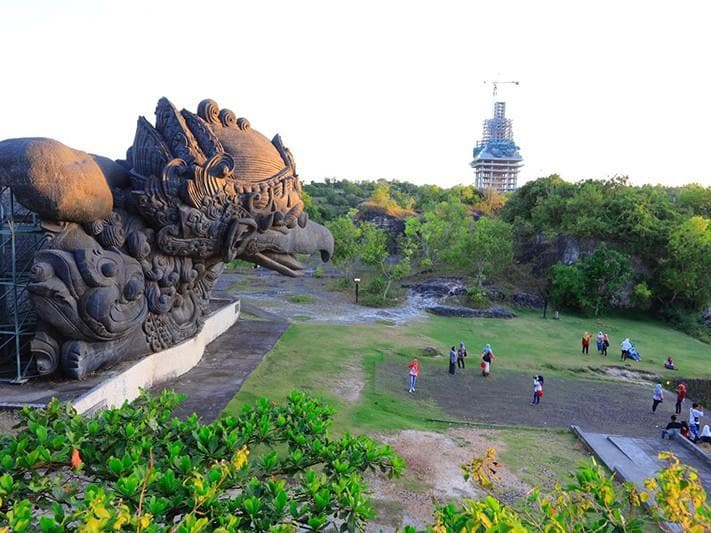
636,458
227,362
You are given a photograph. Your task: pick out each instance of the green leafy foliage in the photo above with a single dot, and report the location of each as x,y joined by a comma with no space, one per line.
591,284
592,501
137,468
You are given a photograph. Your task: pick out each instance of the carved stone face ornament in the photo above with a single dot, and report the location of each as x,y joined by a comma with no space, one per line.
137,245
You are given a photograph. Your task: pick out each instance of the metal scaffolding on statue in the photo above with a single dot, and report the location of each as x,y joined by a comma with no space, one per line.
20,236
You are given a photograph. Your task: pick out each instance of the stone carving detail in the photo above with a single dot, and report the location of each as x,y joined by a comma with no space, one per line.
195,191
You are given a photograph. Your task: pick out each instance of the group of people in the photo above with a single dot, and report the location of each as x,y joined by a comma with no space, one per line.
456,360
686,429
603,343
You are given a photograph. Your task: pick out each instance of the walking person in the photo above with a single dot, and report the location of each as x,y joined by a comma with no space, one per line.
461,354
625,347
487,356
452,360
414,367
605,344
586,343
680,395
695,414
537,391
657,397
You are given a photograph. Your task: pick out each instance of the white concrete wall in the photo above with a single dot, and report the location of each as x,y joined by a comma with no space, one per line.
160,366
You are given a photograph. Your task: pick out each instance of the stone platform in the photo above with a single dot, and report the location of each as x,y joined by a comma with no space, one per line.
636,458
111,387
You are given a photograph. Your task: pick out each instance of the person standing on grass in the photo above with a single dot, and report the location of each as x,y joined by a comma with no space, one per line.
487,356
586,342
461,354
414,367
600,342
680,395
625,347
605,344
537,391
452,360
695,414
657,397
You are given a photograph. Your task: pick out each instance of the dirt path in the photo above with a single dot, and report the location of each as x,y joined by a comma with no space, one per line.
504,398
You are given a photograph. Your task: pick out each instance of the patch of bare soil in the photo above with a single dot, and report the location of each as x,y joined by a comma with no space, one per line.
350,385
434,476
628,374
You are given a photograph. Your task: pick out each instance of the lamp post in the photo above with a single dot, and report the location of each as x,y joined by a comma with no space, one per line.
357,281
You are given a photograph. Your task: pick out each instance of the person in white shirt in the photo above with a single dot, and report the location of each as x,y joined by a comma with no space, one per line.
537,391
695,414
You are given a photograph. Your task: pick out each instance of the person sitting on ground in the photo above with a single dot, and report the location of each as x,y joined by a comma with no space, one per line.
625,347
673,428
684,431
487,356
669,364
705,435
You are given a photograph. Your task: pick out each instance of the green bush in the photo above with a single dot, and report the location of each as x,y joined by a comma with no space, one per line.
477,297
301,299
136,468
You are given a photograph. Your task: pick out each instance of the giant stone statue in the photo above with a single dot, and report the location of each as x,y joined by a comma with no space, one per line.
136,245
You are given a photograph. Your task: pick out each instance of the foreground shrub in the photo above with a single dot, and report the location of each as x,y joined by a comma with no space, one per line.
137,468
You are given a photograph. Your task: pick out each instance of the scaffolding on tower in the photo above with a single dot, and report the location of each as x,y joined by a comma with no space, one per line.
497,159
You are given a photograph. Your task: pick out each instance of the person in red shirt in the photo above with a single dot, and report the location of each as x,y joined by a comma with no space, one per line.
680,395
586,342
414,367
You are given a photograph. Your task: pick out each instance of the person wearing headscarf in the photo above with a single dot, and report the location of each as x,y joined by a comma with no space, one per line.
586,342
537,391
461,354
452,361
705,435
625,347
600,341
657,396
414,367
680,395
487,356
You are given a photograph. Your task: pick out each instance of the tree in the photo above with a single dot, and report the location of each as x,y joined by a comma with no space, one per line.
605,271
374,252
346,236
686,270
487,248
591,284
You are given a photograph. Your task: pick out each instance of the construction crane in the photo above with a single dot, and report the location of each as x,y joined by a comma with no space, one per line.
496,84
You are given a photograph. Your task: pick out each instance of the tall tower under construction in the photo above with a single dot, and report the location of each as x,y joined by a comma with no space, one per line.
496,157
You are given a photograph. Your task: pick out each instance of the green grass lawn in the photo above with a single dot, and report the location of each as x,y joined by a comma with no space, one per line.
340,363
530,343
